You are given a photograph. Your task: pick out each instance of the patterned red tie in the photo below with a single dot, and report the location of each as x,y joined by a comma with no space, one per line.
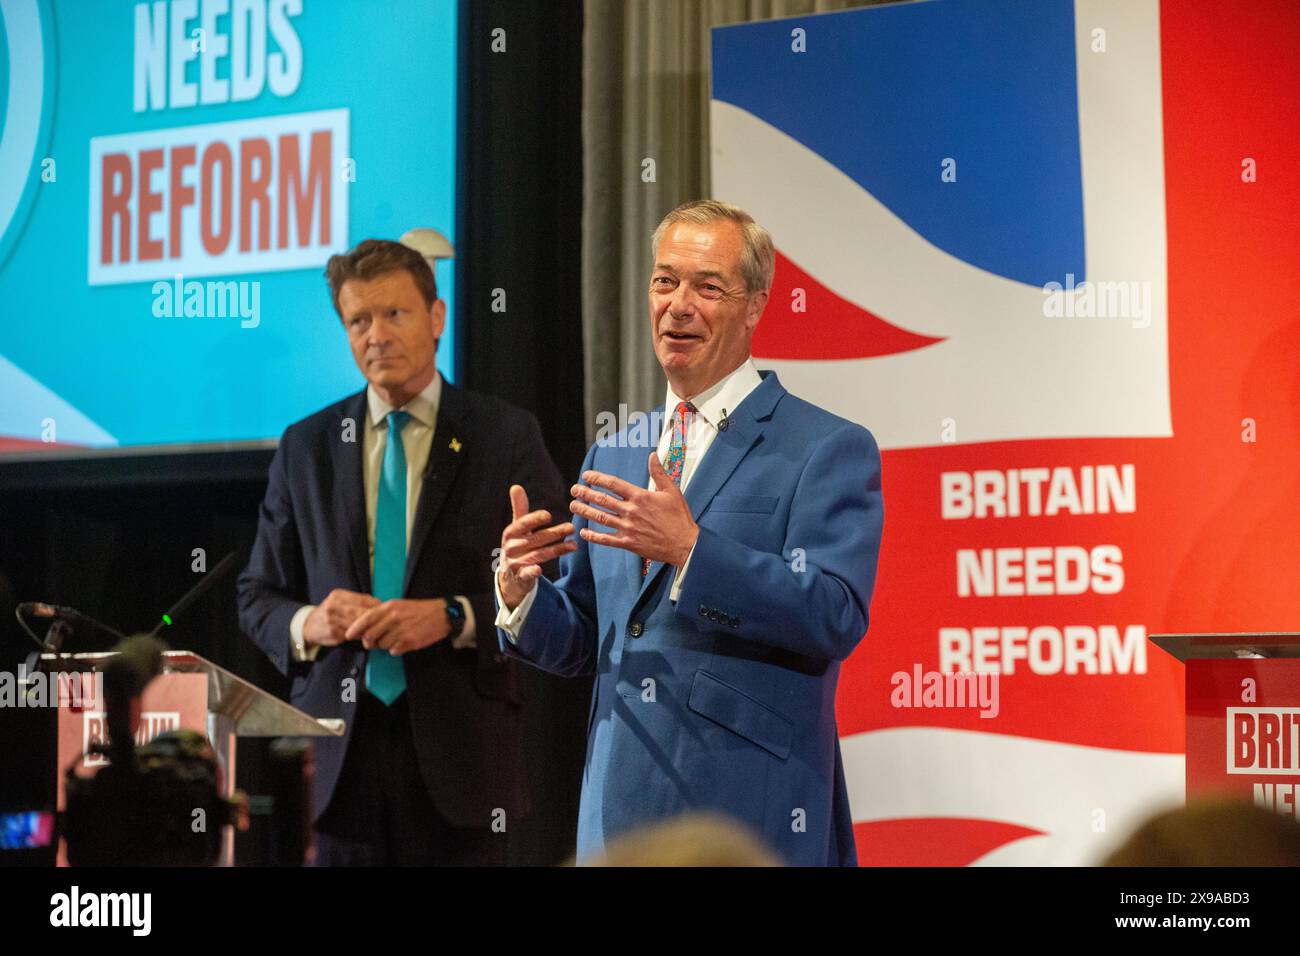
676,454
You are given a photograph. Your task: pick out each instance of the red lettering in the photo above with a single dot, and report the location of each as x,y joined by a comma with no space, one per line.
115,186
181,196
216,240
318,182
253,190
150,203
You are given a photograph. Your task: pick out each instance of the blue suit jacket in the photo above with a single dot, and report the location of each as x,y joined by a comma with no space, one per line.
726,699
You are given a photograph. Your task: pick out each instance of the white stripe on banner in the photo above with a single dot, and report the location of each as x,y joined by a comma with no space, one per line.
1065,790
1106,376
29,405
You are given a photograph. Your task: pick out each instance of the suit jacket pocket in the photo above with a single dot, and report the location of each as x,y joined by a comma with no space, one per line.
744,504
741,714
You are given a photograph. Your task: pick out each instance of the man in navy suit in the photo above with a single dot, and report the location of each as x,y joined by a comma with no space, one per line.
715,585
370,583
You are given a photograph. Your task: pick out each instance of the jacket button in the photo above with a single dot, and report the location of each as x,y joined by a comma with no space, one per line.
635,629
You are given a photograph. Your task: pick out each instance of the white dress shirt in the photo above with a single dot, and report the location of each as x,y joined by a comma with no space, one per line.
711,406
417,440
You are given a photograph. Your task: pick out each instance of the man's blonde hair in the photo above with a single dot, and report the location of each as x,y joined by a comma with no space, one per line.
757,257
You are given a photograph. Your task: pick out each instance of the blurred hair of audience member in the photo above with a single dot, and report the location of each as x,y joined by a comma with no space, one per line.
692,839
1212,832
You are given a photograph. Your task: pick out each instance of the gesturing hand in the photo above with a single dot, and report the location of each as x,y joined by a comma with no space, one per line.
526,545
654,524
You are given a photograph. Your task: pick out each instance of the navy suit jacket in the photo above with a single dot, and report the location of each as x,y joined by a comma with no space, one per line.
725,699
311,538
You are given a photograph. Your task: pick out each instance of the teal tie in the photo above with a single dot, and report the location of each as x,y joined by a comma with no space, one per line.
385,675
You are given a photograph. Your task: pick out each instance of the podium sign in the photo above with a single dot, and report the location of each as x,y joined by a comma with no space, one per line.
1243,731
170,702
191,693
1243,715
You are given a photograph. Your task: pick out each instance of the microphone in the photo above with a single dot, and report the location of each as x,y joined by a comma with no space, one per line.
69,614
725,423
63,620
212,577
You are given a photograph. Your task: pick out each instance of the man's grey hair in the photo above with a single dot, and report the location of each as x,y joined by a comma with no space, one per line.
757,256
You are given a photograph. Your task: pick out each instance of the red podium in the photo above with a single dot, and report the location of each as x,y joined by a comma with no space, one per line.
191,693
1243,715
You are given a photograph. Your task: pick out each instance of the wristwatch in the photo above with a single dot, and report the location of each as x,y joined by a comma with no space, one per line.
455,618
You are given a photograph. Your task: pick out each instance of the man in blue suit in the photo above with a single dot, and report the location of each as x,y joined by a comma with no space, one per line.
714,586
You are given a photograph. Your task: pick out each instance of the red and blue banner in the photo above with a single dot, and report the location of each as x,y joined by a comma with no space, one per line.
1046,253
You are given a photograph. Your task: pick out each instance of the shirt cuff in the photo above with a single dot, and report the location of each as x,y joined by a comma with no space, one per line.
680,578
468,636
512,622
301,650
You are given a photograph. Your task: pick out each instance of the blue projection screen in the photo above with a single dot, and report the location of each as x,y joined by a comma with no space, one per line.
173,178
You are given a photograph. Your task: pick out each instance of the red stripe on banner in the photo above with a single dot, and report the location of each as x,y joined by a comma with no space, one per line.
8,443
1215,542
827,326
932,841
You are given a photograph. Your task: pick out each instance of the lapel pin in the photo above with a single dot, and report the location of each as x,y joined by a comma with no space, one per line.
454,445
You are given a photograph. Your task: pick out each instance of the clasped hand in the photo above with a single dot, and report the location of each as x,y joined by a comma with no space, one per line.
398,626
